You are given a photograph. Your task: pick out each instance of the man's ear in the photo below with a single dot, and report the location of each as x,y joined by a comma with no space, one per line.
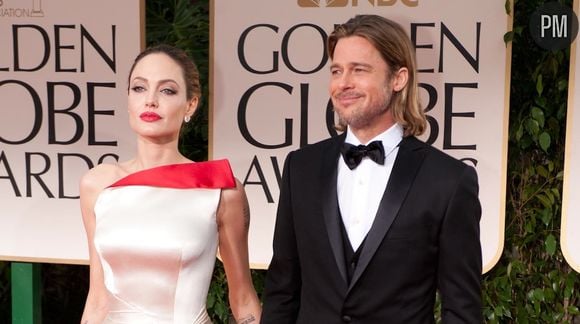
400,79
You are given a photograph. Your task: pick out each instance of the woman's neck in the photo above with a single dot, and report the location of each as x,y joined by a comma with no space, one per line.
150,154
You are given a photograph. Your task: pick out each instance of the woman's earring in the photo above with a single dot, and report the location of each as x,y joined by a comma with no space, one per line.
187,119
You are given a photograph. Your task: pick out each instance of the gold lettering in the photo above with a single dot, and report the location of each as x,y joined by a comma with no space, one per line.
383,3
354,3
309,3
411,3
336,3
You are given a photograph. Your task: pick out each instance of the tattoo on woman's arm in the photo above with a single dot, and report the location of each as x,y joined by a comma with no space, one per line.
247,320
246,212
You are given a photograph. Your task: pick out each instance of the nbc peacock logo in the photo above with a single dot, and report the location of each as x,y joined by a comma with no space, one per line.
327,3
354,3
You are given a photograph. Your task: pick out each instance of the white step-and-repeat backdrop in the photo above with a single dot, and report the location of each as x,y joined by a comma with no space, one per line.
63,81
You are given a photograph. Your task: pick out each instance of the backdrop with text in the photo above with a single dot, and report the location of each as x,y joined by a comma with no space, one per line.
269,82
63,72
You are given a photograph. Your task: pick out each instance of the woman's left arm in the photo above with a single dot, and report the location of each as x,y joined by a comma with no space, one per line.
233,218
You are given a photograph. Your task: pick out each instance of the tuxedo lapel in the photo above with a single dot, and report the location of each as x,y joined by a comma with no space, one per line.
409,158
330,202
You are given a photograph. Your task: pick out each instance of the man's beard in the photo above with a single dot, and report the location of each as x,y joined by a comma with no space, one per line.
359,119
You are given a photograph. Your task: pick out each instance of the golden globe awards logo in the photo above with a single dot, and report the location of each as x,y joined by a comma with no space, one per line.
9,10
354,3
63,85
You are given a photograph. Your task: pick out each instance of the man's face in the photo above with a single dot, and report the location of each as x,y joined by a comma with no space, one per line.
360,84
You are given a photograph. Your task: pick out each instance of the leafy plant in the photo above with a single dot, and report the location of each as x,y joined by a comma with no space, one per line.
532,283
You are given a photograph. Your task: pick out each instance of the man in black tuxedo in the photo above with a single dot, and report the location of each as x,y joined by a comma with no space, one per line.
373,222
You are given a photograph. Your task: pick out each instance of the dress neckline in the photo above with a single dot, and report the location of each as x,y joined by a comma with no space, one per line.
209,174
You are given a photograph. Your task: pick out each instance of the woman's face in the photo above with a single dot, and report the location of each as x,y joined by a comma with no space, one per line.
157,98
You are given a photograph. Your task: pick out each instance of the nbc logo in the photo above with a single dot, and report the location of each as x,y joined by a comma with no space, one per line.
353,3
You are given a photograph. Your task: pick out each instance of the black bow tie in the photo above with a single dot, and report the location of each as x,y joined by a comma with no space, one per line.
352,155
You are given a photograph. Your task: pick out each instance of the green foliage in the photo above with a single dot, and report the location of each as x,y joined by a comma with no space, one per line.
217,301
532,283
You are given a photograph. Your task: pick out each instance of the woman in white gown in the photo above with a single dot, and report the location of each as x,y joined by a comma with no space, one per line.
154,222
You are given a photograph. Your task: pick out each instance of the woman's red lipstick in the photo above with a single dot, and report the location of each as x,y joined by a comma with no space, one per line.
149,116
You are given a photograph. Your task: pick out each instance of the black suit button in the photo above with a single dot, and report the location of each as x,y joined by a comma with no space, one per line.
346,318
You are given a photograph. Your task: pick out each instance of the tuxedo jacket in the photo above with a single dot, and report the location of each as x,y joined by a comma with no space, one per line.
425,238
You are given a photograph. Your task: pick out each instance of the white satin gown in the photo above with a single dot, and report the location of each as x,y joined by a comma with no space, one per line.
156,237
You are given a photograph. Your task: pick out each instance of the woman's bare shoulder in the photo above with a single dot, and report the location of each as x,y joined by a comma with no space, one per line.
100,177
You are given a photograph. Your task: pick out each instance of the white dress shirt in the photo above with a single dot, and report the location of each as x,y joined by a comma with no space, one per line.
360,190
